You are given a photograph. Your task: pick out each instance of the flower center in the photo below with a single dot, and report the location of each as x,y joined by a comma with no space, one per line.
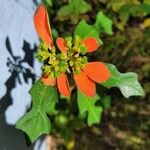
76,54
57,63
54,64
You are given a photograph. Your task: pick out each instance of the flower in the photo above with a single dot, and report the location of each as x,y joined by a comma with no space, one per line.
42,25
71,60
90,72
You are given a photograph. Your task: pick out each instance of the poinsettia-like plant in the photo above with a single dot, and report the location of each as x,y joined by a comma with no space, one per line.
66,67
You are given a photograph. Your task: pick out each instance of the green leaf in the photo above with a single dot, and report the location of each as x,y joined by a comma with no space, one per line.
105,101
36,122
102,24
44,97
87,104
84,30
73,9
146,7
80,6
64,12
49,2
126,82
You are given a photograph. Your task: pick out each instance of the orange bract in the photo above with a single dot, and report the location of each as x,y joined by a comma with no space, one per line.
41,22
48,81
86,85
63,85
97,71
91,44
61,44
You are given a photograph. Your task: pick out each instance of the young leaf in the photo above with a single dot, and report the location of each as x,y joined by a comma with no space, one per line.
126,82
80,6
73,9
87,104
36,122
49,2
84,30
64,12
102,24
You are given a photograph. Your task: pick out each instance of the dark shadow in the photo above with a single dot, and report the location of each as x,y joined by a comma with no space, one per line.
11,138
35,2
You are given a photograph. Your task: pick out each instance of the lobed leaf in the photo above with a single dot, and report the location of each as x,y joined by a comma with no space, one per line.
102,24
87,104
64,12
43,96
126,82
80,6
36,122
73,9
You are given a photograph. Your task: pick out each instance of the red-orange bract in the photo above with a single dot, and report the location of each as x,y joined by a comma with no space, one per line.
91,73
